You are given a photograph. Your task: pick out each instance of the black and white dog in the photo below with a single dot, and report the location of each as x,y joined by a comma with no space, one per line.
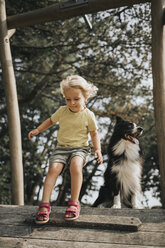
122,178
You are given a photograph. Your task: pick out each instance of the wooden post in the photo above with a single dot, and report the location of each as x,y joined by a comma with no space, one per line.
12,109
158,67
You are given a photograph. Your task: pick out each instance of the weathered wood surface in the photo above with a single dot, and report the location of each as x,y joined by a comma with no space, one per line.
38,243
95,222
18,230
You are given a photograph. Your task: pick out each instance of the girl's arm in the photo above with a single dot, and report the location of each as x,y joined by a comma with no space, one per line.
97,147
45,125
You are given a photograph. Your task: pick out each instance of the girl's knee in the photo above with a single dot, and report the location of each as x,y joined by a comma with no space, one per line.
76,165
55,168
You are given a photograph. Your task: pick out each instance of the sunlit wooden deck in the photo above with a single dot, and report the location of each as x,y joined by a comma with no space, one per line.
95,228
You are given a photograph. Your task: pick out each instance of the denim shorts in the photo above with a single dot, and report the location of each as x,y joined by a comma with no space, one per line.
65,154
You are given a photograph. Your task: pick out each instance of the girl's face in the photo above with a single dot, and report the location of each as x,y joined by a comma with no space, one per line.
74,99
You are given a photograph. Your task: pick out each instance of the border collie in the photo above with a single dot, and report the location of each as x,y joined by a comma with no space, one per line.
122,178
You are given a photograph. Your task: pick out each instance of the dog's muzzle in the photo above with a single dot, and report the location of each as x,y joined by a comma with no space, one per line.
138,132
132,137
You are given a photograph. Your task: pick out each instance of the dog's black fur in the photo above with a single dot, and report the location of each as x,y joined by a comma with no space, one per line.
122,178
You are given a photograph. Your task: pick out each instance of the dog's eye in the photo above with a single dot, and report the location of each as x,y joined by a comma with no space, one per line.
130,125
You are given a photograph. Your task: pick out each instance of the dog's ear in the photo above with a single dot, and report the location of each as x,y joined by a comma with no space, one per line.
118,119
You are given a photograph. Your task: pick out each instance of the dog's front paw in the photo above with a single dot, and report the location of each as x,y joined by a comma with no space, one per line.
116,206
137,206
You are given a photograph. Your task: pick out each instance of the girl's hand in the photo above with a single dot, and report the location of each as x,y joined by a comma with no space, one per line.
33,133
99,157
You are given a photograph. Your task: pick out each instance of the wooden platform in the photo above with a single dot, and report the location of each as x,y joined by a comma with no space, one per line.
94,229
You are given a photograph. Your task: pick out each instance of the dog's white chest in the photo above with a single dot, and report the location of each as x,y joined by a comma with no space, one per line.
128,168
130,150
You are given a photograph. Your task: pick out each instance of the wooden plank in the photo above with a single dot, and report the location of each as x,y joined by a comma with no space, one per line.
10,214
54,12
47,232
15,230
153,227
145,215
158,68
39,243
95,222
12,110
22,221
98,236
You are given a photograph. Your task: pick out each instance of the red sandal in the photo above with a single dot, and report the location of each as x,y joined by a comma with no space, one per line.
74,211
44,214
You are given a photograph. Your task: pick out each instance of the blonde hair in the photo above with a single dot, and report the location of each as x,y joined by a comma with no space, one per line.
77,82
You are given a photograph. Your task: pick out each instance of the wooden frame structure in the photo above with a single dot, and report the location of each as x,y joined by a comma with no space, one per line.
61,12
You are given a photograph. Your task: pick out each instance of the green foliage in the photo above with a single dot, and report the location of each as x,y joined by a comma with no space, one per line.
115,55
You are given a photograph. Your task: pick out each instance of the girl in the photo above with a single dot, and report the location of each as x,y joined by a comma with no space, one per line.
75,122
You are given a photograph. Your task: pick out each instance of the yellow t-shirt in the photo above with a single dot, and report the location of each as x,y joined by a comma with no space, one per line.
74,127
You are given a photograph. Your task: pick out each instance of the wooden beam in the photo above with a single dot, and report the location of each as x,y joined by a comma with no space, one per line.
11,32
158,67
55,12
12,109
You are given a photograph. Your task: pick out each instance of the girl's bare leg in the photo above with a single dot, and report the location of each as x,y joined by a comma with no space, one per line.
76,166
50,181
